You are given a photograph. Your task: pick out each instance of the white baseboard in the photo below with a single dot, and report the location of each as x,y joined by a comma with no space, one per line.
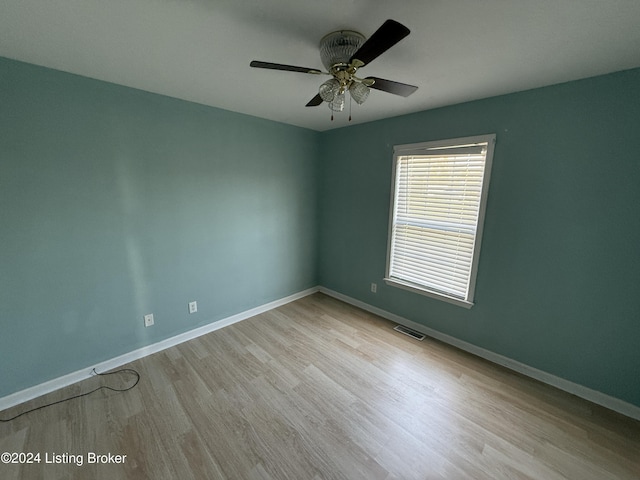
581,391
82,374
578,390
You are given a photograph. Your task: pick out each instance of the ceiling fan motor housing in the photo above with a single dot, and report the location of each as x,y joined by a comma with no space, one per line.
337,48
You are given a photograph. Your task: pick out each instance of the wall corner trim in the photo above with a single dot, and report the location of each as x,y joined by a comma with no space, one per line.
602,399
49,386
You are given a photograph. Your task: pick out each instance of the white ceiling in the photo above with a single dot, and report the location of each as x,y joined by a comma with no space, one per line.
199,50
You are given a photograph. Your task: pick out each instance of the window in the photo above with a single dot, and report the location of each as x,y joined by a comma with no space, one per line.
438,200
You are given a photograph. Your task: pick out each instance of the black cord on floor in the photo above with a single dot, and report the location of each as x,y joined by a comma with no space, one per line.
129,370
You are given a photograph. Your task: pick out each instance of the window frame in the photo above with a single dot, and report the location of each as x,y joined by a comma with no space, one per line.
416,149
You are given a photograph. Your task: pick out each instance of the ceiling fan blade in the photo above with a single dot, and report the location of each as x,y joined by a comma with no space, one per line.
286,68
389,86
390,33
315,101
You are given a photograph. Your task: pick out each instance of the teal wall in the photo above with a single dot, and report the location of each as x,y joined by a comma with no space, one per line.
115,203
558,286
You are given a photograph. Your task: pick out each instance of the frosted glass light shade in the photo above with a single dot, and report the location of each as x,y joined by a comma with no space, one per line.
337,105
329,89
359,92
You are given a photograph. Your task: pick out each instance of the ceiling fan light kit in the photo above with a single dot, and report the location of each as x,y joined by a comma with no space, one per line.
342,53
337,104
329,89
359,92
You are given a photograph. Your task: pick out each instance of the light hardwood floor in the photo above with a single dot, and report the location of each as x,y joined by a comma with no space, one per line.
318,389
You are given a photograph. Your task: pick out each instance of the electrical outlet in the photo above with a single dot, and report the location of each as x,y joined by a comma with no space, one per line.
148,320
193,307
374,287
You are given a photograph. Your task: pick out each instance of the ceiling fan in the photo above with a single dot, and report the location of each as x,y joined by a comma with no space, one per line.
342,54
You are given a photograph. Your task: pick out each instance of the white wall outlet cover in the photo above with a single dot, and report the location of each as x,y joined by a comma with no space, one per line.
148,320
193,307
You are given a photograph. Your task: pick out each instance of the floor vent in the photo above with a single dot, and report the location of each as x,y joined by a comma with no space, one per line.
408,331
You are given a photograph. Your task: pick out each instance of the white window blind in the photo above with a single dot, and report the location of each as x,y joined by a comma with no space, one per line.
438,204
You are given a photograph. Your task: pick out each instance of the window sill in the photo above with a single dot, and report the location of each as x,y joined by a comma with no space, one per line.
428,293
